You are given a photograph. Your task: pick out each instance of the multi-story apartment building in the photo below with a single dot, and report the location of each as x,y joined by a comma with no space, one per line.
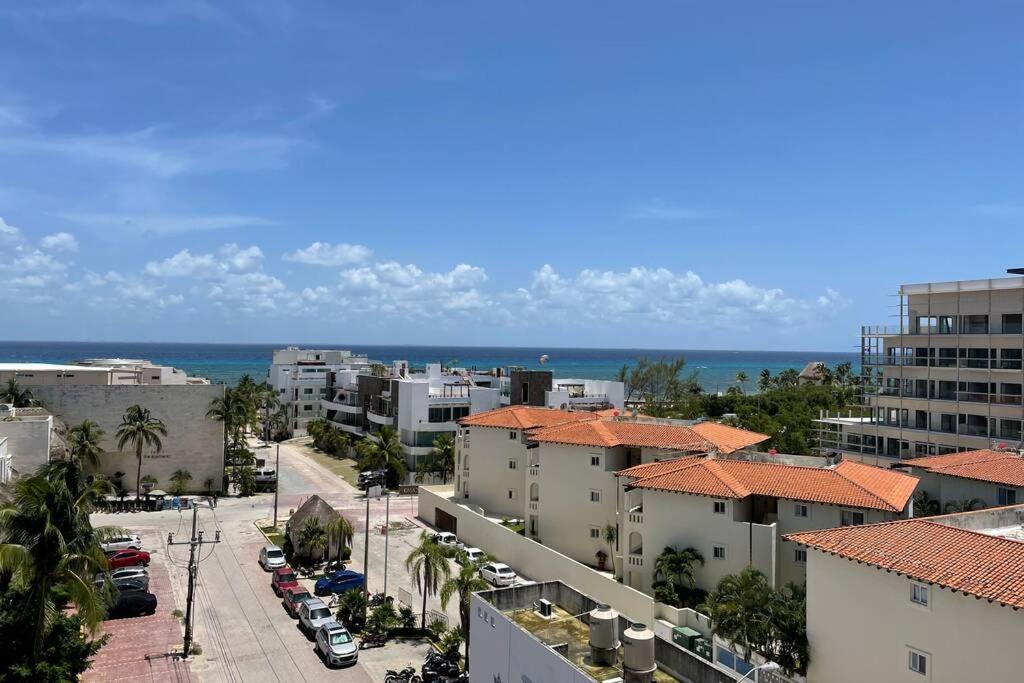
947,377
982,478
96,371
733,509
300,377
421,406
934,599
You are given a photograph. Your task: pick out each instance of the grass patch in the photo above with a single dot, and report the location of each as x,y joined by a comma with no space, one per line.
346,468
274,535
517,526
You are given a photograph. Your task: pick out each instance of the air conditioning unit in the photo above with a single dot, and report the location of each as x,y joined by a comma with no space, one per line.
544,607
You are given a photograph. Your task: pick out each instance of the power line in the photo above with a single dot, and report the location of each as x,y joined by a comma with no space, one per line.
196,541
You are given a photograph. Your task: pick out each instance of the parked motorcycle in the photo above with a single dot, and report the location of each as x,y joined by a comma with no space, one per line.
443,667
406,675
378,599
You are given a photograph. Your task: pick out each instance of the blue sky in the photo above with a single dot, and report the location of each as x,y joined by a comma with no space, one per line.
666,175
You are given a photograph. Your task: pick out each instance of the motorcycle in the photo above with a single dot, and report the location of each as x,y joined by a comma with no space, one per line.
406,675
373,640
378,599
442,667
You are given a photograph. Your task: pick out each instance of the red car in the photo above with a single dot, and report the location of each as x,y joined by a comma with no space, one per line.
282,579
127,558
293,597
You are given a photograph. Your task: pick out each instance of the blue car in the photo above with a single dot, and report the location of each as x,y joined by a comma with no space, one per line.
339,582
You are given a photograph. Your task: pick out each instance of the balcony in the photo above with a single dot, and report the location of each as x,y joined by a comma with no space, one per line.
635,560
381,418
533,470
533,505
341,407
973,430
636,516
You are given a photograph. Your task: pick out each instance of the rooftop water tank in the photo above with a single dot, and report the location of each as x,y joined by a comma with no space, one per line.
604,635
638,654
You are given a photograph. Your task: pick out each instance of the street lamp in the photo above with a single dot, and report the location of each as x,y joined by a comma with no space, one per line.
767,666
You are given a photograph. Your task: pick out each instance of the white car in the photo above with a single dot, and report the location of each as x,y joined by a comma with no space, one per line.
336,645
272,557
471,556
447,538
498,574
128,572
312,615
129,542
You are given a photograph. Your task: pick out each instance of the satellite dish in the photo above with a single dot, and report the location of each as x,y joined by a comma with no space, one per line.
544,359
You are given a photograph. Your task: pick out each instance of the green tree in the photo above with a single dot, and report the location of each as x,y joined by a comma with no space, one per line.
741,379
965,505
925,505
84,443
232,411
313,539
179,480
352,610
764,380
676,569
611,533
441,460
429,567
340,531
140,429
466,582
13,394
384,452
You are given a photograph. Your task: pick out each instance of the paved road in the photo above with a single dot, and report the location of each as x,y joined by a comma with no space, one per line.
240,624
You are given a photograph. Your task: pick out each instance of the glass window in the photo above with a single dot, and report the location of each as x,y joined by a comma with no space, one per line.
919,662
595,532
718,552
975,324
851,518
595,461
512,464
801,510
595,496
919,593
511,435
1012,323
800,555
1006,496
719,507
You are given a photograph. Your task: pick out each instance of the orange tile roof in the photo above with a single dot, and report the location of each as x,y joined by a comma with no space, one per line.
726,438
524,417
975,563
999,467
611,433
848,483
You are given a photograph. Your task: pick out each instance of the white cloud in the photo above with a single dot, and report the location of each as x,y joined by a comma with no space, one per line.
241,260
327,254
391,287
184,264
60,241
8,233
659,211
164,224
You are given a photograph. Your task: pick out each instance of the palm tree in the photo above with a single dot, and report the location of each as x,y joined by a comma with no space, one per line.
741,379
231,411
734,609
384,451
46,541
179,479
84,443
463,584
313,537
429,566
966,505
925,505
443,456
676,568
764,381
611,533
340,530
140,429
16,396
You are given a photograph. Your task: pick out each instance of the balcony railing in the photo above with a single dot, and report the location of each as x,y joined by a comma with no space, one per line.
534,470
533,505
973,430
636,516
931,362
635,560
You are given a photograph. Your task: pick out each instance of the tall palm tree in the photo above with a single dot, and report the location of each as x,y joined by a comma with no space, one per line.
45,542
676,567
735,610
384,452
741,379
965,505
925,505
611,533
429,566
84,443
141,430
230,409
340,530
443,456
313,537
16,396
764,380
463,584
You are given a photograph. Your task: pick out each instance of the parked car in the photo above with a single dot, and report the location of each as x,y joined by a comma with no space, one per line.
339,582
127,558
132,603
498,574
448,539
371,478
312,615
336,645
283,578
272,557
128,542
138,582
471,556
293,598
121,573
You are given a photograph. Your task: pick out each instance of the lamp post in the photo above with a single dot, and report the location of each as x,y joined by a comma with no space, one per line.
277,481
767,666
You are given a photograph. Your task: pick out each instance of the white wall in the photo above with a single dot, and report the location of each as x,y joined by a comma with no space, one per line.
193,442
860,623
946,489
501,651
489,476
531,559
28,442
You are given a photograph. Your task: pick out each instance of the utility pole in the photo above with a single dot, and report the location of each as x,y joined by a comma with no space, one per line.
193,569
387,532
366,551
277,481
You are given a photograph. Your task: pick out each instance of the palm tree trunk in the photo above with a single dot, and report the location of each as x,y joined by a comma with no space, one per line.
423,616
37,641
138,472
464,615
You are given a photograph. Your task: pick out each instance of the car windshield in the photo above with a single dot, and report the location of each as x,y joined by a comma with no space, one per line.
299,597
275,553
506,572
319,613
286,577
340,638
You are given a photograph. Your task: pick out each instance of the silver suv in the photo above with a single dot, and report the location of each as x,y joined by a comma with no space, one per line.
336,645
127,542
271,557
312,615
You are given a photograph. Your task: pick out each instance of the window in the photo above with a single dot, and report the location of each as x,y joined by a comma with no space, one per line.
801,510
595,496
918,662
511,435
800,555
512,464
511,494
595,532
919,594
1012,323
307,391
718,552
1006,496
851,518
719,507
307,407
595,461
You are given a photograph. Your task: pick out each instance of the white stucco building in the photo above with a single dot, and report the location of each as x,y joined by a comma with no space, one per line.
734,509
28,433
935,599
991,478
96,371
300,377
